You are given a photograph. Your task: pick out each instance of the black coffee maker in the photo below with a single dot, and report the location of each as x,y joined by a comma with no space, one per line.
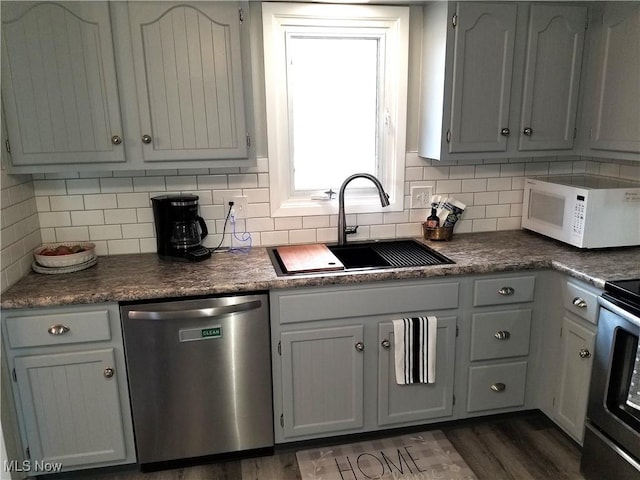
179,228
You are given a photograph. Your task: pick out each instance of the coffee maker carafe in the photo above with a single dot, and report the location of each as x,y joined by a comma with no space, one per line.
179,228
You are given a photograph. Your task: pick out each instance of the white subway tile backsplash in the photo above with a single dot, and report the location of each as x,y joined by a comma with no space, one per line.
72,234
82,186
511,196
50,187
116,185
302,236
120,215
119,247
54,219
87,217
105,232
316,221
138,230
149,184
113,209
288,223
133,200
66,202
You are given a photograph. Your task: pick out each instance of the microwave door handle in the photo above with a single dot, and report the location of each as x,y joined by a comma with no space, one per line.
196,313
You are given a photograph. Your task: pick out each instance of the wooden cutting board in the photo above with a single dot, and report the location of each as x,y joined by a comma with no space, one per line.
308,258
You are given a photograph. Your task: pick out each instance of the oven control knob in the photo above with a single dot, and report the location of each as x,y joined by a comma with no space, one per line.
584,353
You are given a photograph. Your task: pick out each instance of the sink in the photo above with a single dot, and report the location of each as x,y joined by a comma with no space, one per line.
376,255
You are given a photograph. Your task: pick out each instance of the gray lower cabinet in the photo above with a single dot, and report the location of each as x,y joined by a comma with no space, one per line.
333,358
422,401
498,334
322,380
577,340
70,385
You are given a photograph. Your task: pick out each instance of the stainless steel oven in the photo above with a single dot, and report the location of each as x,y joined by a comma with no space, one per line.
612,433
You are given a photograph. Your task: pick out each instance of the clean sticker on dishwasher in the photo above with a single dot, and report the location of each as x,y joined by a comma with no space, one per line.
200,333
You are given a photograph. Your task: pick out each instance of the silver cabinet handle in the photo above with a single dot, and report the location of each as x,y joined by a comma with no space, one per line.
359,346
386,344
116,139
580,302
498,387
502,335
584,353
506,291
108,372
505,132
527,131
146,138
198,313
58,329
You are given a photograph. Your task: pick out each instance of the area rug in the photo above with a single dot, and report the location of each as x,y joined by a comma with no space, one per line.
418,456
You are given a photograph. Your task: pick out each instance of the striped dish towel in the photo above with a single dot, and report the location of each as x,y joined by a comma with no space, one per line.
415,349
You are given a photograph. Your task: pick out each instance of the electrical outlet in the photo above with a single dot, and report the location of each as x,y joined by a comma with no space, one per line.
421,197
239,206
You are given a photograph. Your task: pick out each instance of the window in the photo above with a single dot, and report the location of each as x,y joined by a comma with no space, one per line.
336,88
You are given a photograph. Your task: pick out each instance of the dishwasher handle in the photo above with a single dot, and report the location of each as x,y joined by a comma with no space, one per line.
195,313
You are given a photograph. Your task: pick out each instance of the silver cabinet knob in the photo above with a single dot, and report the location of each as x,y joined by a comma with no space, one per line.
108,372
584,353
386,344
359,346
507,291
502,335
527,131
146,138
116,139
505,132
58,329
580,302
498,387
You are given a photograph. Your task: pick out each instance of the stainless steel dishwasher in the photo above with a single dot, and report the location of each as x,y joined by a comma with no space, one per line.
199,376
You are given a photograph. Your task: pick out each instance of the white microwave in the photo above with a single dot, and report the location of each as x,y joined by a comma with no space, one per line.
586,211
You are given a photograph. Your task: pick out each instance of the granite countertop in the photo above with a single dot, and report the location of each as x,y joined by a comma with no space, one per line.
146,276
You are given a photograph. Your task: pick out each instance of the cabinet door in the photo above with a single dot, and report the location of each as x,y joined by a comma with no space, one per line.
552,76
71,407
570,402
322,380
59,86
616,112
483,64
419,401
187,61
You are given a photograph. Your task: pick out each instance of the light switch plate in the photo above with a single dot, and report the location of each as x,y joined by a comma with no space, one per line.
421,197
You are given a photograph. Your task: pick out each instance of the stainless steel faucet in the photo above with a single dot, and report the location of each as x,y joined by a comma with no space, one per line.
342,221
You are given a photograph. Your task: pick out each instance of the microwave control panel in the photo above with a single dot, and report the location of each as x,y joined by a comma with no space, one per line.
578,216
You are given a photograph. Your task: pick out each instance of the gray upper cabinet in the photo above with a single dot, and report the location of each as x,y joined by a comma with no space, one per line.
189,80
481,88
552,77
500,79
59,87
125,85
612,103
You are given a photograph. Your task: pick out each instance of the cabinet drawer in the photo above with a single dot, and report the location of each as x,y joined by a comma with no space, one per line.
581,301
500,291
500,334
58,329
344,302
496,386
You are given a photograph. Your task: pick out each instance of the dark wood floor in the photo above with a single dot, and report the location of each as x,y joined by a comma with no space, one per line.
520,447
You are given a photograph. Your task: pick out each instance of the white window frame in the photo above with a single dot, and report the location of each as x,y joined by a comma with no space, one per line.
280,19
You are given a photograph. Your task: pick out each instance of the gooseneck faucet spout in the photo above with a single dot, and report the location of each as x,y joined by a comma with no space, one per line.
342,221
